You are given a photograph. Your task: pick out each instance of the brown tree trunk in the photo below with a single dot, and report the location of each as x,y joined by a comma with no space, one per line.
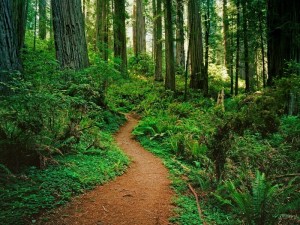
226,38
198,80
140,28
170,65
180,57
69,34
102,7
283,36
134,28
9,60
246,46
120,35
42,19
207,34
19,18
237,66
158,41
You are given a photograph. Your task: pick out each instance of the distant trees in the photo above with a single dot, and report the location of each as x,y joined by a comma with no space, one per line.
158,39
102,26
120,51
170,63
42,19
140,29
283,36
69,34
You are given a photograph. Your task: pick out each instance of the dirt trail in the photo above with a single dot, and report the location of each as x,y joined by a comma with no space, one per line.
142,196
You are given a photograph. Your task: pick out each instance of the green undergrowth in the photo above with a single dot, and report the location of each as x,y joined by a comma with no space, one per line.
55,135
35,190
182,173
247,153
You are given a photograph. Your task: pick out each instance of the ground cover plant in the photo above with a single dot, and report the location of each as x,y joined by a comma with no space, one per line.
55,137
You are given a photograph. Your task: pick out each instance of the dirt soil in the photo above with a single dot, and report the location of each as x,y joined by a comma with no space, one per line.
142,196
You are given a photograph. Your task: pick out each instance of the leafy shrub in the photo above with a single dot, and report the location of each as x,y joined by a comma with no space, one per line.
141,65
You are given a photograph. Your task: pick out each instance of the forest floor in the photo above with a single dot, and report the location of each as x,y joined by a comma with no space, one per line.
142,196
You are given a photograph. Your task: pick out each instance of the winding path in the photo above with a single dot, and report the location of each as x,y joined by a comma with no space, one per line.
142,196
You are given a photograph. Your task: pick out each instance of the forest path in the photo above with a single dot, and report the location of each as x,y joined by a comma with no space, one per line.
142,196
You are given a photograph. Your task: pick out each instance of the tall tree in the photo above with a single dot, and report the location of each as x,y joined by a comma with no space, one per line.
102,9
180,57
283,36
42,19
19,20
157,40
226,38
120,35
140,27
246,45
9,60
207,35
69,34
198,78
170,61
237,61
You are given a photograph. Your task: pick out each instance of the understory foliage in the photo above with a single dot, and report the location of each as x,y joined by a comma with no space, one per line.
55,135
239,160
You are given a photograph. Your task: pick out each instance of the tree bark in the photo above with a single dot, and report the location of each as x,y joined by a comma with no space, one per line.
69,34
102,7
158,41
226,38
42,19
237,61
140,29
180,56
19,20
9,60
283,36
246,46
207,34
120,35
198,80
170,61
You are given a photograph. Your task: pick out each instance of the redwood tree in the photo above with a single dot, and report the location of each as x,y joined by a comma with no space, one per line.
170,65
42,19
140,27
9,60
157,40
120,35
198,78
69,34
283,36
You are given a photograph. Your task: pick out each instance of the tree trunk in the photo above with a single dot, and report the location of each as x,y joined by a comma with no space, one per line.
207,34
262,50
69,34
42,19
134,28
198,80
140,29
170,64
9,60
246,48
120,35
283,36
237,65
19,20
180,57
158,41
227,47
102,7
